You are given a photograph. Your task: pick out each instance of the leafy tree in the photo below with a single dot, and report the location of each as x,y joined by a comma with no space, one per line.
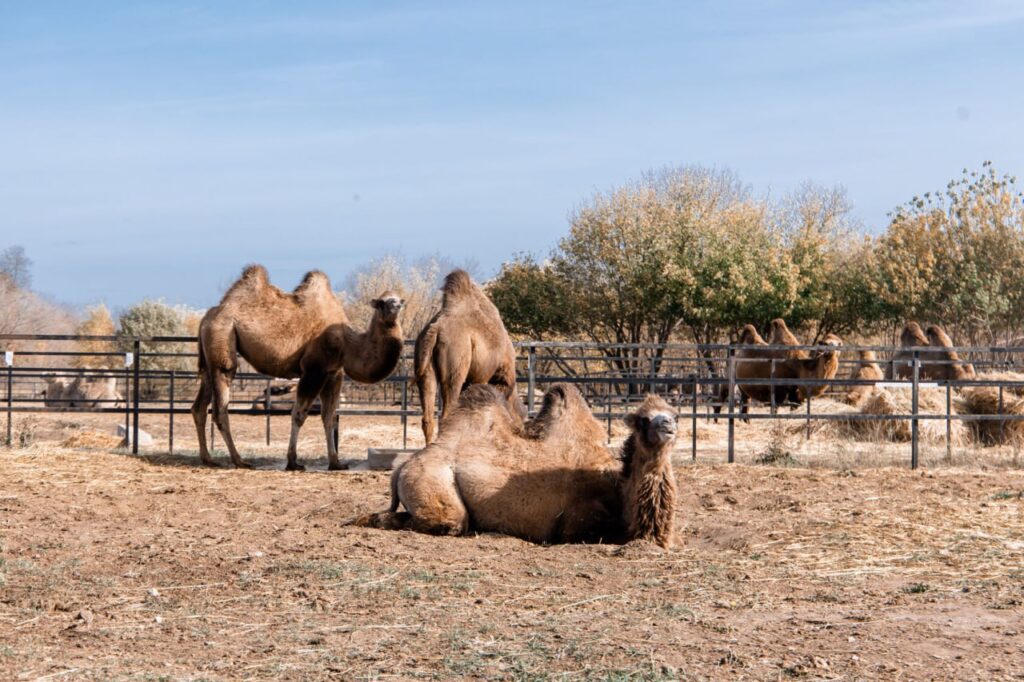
98,322
955,256
154,318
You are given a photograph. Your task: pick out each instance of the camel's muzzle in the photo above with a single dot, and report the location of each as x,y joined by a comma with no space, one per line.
663,428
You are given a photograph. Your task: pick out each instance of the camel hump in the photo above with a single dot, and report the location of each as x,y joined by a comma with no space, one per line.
314,280
480,395
254,277
938,337
867,355
457,283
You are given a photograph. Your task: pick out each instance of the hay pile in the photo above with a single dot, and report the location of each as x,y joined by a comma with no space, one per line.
93,440
892,401
1005,377
984,400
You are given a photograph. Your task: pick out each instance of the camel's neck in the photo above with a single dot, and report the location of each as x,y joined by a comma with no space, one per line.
650,492
372,355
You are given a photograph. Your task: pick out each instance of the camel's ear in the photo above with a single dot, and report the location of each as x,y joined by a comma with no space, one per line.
377,303
635,422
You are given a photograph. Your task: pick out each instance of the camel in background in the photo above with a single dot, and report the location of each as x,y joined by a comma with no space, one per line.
304,335
465,343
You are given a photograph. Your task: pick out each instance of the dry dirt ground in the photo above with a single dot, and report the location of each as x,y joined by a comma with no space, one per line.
151,568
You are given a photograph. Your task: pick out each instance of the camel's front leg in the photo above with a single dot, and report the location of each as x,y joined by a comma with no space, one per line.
309,386
329,396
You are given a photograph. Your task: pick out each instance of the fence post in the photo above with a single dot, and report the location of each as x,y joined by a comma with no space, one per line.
10,404
128,362
531,379
693,418
651,388
732,404
135,399
913,411
266,410
405,417
1002,422
170,419
949,423
808,434
609,412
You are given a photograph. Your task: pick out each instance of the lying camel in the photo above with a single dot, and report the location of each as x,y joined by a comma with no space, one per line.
81,392
304,335
867,369
552,481
465,343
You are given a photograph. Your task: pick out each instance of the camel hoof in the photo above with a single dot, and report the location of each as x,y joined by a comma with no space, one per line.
337,466
294,467
242,464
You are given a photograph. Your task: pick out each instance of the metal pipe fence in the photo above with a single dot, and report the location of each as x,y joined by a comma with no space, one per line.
152,375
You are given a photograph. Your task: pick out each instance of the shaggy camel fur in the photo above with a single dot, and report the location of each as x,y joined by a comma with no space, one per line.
465,343
866,369
304,335
550,481
937,365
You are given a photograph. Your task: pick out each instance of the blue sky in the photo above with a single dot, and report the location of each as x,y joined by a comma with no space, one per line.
152,149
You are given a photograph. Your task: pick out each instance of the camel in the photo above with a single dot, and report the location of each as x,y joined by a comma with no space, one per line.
464,343
867,369
550,481
779,364
937,365
81,391
304,335
952,368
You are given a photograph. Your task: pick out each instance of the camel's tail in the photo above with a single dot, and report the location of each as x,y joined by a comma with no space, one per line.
202,358
386,520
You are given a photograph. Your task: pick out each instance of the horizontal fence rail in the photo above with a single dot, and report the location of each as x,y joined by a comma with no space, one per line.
156,375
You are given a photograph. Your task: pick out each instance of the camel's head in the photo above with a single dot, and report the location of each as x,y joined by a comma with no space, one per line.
938,337
653,423
913,336
388,305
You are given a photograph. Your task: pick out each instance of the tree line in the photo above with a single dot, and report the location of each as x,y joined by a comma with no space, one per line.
690,254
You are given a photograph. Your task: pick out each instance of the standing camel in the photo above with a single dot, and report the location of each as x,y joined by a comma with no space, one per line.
465,343
304,335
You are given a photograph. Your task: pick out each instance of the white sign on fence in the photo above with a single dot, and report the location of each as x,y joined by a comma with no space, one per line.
9,358
129,358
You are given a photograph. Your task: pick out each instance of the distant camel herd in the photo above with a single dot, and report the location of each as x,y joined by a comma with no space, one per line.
548,479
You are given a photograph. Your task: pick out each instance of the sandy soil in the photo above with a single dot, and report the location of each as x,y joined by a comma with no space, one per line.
147,568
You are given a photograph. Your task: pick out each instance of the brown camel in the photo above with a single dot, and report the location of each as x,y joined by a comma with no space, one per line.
766,364
899,366
938,365
866,369
465,343
950,367
304,335
553,480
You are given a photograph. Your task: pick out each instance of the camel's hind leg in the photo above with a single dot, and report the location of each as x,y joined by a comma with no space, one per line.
329,395
452,379
221,401
199,407
427,385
